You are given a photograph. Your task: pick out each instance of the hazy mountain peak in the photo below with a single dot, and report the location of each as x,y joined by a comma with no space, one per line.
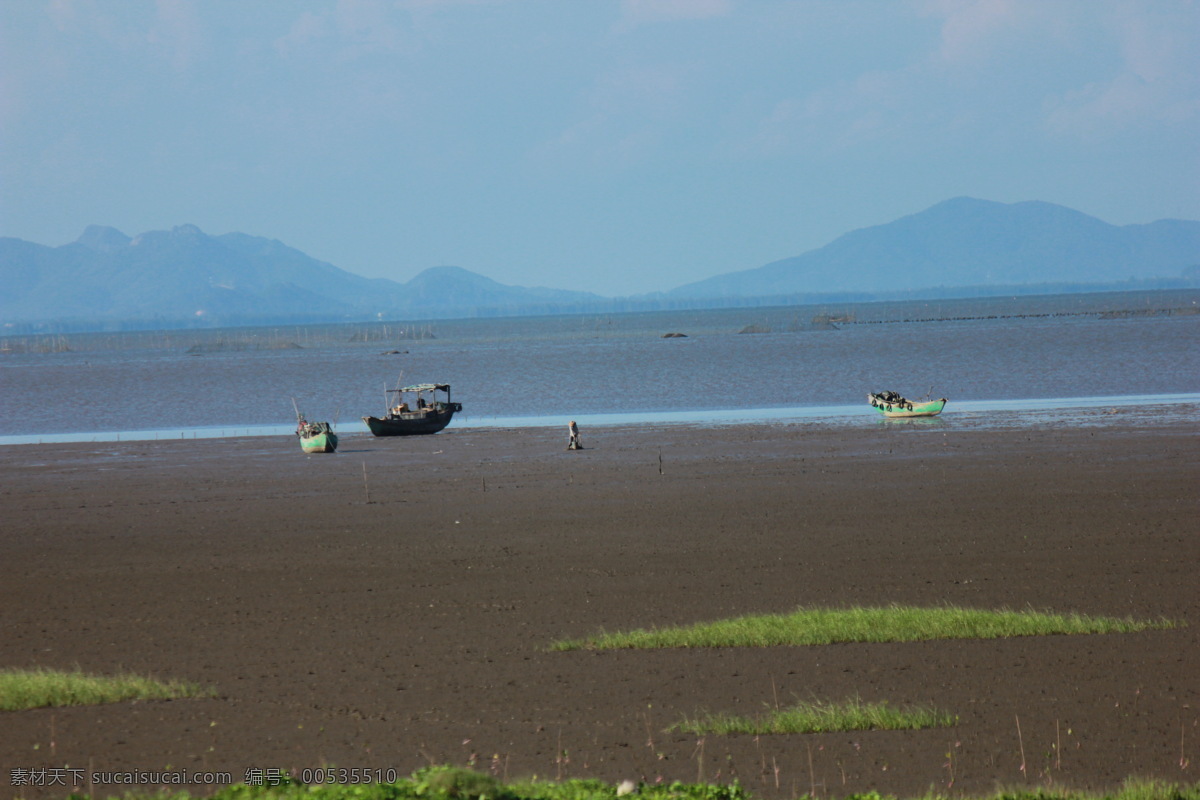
186,235
967,242
103,238
963,203
449,274
187,230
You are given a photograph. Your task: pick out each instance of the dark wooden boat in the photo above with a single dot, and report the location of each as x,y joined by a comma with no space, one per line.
415,410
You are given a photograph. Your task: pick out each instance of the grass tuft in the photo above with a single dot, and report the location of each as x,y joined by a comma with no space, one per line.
43,688
816,626
851,715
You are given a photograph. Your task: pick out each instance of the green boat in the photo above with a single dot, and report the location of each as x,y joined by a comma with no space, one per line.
891,404
316,437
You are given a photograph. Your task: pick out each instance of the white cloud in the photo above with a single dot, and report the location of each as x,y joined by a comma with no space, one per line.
177,32
367,23
837,116
307,28
1007,72
173,32
87,18
970,29
642,12
433,5
1155,86
629,114
352,27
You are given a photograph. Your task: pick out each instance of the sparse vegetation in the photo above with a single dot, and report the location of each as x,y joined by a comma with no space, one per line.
851,715
43,688
450,783
815,626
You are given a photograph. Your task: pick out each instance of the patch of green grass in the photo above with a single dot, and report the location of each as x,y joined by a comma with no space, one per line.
851,715
809,626
450,783
1142,789
43,688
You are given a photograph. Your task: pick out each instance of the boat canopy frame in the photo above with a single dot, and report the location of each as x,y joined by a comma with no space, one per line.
395,401
423,387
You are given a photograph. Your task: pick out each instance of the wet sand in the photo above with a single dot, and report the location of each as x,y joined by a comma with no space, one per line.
390,606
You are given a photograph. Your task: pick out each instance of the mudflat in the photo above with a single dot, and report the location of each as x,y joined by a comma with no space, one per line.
391,606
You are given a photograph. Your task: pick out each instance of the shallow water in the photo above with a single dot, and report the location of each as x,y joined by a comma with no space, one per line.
1139,411
1019,355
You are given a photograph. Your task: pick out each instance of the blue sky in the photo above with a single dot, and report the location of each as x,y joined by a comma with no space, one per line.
614,146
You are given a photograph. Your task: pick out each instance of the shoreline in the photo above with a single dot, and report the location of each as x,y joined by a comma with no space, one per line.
1076,410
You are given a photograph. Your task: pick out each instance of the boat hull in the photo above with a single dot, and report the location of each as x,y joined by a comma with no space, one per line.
415,423
929,408
319,443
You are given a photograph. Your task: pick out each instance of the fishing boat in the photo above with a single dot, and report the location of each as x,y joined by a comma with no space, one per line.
315,437
415,410
891,404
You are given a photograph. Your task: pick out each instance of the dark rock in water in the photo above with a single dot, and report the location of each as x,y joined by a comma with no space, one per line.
394,353
674,336
755,329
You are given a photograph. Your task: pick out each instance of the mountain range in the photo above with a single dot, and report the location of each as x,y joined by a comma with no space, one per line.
966,242
961,247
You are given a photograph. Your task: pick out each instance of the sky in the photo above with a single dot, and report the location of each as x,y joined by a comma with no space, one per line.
612,146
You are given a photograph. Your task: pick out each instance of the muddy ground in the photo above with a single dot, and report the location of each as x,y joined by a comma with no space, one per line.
390,606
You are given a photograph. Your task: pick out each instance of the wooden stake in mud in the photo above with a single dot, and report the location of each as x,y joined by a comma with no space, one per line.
1021,742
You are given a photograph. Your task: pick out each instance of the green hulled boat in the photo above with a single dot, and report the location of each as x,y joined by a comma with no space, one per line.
891,404
316,437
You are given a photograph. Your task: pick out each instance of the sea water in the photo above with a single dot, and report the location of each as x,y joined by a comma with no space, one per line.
1031,354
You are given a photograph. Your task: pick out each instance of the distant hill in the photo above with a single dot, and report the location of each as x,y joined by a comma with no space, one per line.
972,243
185,275
959,248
